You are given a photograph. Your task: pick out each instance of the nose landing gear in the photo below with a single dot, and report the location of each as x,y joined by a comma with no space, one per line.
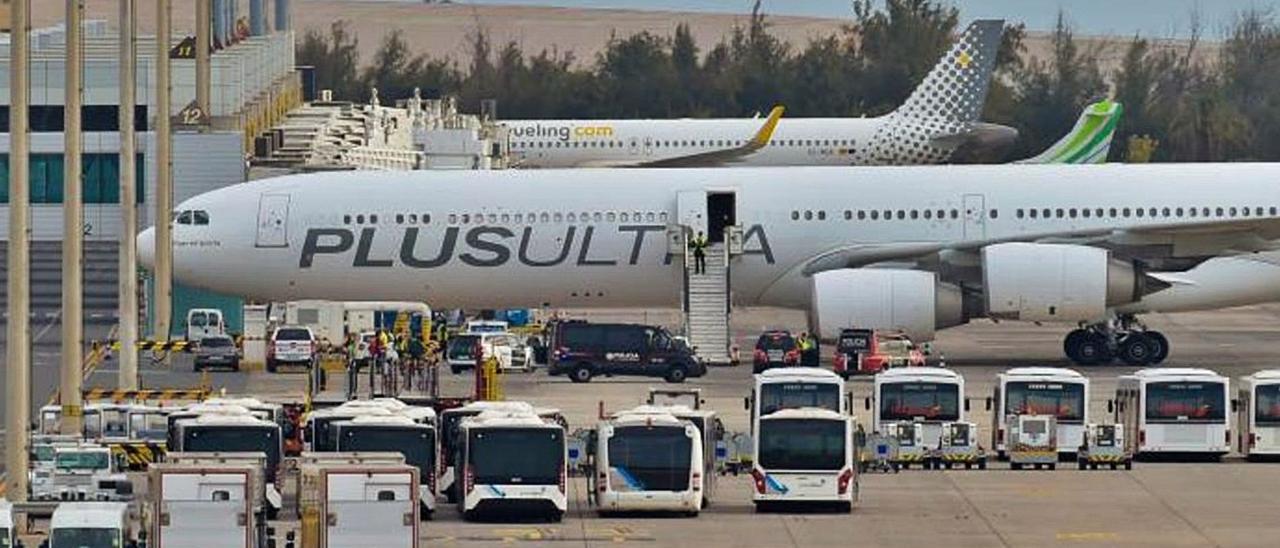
1124,338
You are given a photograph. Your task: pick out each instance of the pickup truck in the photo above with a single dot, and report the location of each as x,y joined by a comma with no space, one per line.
291,345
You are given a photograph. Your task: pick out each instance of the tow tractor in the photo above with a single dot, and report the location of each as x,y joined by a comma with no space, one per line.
1104,446
958,447
1032,440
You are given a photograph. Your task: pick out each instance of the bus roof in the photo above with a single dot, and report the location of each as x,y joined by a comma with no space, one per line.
805,373
813,413
227,420
381,420
646,419
1158,373
105,515
1266,376
490,419
1042,372
909,374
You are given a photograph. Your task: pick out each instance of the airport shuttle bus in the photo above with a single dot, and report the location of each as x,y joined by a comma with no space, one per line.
710,431
1061,392
451,428
232,434
1259,415
417,442
512,462
794,388
927,395
1174,411
648,461
804,456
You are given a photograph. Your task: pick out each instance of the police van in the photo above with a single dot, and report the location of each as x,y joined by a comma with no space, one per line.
513,463
583,350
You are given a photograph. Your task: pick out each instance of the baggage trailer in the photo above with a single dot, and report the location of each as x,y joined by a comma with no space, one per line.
1032,441
959,447
1104,446
911,448
359,506
199,506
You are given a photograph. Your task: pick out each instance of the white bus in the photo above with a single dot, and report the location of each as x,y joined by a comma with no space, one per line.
1258,415
1174,411
513,463
710,430
648,461
451,428
804,456
794,388
1056,391
927,395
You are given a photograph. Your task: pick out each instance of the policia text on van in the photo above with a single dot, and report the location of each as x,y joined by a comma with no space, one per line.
583,350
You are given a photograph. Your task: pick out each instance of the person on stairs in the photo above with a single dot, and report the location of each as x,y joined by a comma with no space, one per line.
699,247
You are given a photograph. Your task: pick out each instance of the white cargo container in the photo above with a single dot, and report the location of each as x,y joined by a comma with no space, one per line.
198,506
80,524
263,491
359,506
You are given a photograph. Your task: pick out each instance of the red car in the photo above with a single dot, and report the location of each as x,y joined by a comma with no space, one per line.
868,352
775,349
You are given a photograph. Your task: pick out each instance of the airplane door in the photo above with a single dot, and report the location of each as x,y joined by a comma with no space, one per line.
975,223
633,146
648,146
273,220
692,210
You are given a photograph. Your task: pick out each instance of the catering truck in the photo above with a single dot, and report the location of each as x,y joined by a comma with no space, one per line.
206,506
359,505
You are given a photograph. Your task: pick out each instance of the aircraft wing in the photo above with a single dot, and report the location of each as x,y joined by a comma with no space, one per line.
722,156
1194,242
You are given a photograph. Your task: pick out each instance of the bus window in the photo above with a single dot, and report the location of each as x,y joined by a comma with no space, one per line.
928,400
502,456
794,395
798,444
1268,404
1185,401
651,459
1064,400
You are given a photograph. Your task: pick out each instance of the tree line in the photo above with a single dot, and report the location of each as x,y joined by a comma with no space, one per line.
1180,106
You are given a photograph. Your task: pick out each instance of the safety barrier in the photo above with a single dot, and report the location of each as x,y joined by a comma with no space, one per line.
108,394
139,455
155,346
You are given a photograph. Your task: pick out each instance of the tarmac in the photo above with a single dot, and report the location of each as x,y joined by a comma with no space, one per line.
1230,503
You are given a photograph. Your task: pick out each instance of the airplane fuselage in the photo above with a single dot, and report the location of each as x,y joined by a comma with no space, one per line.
599,238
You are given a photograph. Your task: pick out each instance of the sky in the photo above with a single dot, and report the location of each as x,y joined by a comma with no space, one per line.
1151,18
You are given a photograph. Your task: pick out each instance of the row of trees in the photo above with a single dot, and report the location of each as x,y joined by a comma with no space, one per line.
1179,105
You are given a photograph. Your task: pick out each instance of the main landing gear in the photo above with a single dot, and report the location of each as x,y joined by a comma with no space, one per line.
1124,338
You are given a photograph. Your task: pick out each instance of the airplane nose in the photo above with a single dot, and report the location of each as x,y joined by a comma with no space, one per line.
147,248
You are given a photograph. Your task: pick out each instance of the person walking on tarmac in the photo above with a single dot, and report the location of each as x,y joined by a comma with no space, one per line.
699,247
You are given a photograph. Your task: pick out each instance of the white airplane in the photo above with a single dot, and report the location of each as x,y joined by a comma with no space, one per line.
915,248
940,116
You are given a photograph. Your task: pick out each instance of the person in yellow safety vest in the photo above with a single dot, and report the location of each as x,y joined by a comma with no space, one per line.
699,247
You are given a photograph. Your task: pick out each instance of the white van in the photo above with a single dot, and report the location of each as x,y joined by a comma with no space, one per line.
648,462
79,524
204,322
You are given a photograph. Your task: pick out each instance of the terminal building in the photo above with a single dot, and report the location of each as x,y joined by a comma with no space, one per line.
253,84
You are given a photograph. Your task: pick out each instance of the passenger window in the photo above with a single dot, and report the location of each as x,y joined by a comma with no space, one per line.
995,214
346,219
942,213
200,217
1019,213
413,218
1165,211
1138,212
902,214
493,219
955,214
822,215
611,217
519,218
795,215
597,217
453,218
399,218
808,215
875,215
546,218
572,218
506,218
888,214
915,214
862,215
928,213
1084,212
848,215
466,218
1059,213
373,219
1071,213
359,219
1033,213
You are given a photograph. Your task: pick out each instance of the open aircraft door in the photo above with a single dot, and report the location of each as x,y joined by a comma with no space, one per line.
273,220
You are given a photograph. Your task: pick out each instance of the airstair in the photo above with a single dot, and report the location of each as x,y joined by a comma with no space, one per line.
706,306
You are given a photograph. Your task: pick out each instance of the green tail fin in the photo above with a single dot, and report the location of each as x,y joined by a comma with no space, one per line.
1089,141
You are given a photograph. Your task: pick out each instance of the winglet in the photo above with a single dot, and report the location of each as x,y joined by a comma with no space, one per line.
766,131
1089,141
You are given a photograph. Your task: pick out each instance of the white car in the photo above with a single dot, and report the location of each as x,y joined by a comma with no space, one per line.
511,353
292,345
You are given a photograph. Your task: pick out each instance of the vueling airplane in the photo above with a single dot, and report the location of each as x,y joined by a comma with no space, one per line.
916,248
940,116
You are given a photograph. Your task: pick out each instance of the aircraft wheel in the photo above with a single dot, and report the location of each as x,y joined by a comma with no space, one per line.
1091,349
1161,345
1071,344
1136,349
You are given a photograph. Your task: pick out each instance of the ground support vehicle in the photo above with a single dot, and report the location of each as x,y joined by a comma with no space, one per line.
359,505
804,456
84,472
648,462
1032,440
911,449
1104,447
882,455
265,490
511,462
199,506
92,524
959,448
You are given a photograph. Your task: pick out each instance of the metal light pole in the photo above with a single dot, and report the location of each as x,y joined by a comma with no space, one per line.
163,304
72,230
203,29
18,348
128,376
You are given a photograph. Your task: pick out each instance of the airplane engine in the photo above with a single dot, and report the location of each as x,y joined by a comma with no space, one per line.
910,300
1058,282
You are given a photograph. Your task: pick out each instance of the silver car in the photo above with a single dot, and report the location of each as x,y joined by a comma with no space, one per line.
217,351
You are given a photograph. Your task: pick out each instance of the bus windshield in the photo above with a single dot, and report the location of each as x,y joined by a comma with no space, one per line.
516,456
794,395
904,401
1185,401
461,347
86,537
1268,405
650,458
802,444
1064,400
416,444
230,439
82,460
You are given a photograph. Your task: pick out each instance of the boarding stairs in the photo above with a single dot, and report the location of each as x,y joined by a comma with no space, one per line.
706,306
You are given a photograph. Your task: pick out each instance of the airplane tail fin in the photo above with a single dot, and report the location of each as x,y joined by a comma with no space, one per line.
1089,141
947,101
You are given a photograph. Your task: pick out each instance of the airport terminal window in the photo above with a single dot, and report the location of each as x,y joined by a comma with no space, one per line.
100,178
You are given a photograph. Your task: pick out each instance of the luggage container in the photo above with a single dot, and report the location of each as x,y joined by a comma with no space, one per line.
200,506
359,505
959,447
1032,440
1103,445
910,446
264,489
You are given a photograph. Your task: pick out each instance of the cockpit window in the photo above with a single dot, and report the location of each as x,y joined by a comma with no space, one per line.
191,217
200,217
184,218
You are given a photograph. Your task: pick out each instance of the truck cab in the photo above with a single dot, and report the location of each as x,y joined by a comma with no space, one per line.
94,524
83,472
